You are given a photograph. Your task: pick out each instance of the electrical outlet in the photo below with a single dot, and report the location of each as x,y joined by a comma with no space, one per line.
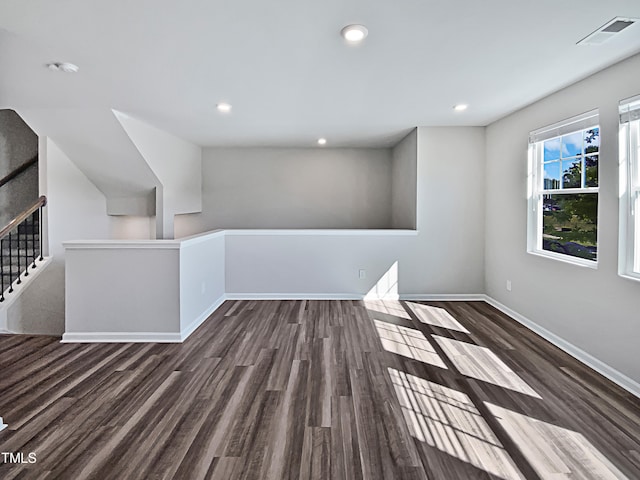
362,274
508,285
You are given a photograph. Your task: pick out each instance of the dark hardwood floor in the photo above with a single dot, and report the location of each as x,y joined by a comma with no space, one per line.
317,390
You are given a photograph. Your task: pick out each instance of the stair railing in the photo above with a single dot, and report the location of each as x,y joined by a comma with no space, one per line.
21,246
22,168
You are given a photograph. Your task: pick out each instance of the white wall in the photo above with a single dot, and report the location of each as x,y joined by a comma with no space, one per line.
142,290
128,227
134,289
450,206
596,310
298,263
177,164
292,188
98,145
404,182
202,282
75,209
446,256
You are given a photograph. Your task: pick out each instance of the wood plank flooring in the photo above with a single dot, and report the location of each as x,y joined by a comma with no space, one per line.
317,390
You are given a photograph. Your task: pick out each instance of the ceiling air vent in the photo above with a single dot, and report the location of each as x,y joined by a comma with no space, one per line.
607,31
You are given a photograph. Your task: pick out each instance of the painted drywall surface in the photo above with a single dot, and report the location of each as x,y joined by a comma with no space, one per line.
75,209
134,290
176,163
596,310
18,144
128,227
187,224
450,207
445,256
299,264
98,145
404,182
293,188
201,277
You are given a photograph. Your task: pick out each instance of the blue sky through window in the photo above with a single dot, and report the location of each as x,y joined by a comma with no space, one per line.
552,171
572,144
552,149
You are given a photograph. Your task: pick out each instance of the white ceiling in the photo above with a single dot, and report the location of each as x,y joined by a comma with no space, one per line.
287,72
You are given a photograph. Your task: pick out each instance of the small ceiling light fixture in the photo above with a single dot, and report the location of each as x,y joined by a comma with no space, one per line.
63,67
461,107
223,107
322,141
354,33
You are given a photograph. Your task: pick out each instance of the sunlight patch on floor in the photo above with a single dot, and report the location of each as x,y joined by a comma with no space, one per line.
436,316
390,307
447,419
407,342
553,451
482,364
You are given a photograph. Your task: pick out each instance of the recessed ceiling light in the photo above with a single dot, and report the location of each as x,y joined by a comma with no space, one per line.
354,33
223,107
322,141
63,67
461,107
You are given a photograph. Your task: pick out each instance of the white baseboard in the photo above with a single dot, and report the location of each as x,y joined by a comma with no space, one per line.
184,334
599,366
294,296
445,297
142,337
353,296
121,337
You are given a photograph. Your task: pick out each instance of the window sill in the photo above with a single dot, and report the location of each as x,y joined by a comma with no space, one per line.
565,259
630,276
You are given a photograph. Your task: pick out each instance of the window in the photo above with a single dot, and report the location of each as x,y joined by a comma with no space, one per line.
563,190
630,187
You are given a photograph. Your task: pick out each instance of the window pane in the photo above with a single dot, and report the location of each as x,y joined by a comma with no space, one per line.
572,144
591,166
592,140
570,224
552,149
572,173
552,175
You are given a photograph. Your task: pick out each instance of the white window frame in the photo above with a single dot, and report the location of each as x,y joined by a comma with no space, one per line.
535,190
629,237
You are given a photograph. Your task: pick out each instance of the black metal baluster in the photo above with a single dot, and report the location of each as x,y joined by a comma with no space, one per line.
25,234
10,263
34,218
18,253
2,270
40,230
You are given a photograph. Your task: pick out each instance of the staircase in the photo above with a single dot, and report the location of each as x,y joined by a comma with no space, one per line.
20,248
19,253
